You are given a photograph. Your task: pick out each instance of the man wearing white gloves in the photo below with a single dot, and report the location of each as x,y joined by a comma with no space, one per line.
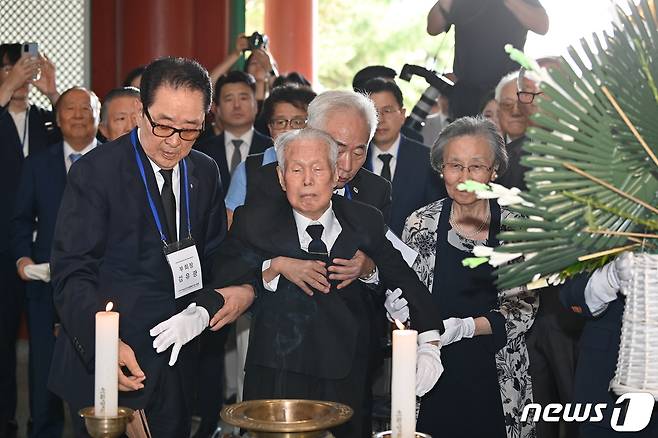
600,297
139,220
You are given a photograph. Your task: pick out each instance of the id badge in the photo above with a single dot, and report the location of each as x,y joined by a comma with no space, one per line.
185,266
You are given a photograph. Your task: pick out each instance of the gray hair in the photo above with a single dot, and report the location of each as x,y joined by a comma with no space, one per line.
333,101
115,94
471,126
514,76
281,144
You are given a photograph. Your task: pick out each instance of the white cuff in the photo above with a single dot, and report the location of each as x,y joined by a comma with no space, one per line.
373,279
272,284
429,336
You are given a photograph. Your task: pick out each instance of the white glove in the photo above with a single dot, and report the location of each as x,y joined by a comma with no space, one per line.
428,367
38,272
605,282
396,307
179,330
456,329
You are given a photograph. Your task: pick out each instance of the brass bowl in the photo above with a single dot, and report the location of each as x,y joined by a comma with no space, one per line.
388,434
287,418
106,427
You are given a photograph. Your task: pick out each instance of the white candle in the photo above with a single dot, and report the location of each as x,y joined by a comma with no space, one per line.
106,380
403,385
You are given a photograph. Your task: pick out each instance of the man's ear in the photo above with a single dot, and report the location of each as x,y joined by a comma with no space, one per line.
282,182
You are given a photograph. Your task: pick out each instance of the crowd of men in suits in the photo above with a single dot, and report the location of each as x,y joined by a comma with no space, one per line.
102,200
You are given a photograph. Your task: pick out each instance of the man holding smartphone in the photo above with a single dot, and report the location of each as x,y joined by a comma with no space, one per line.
24,129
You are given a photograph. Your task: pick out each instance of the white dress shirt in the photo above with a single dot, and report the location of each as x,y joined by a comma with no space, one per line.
378,165
330,233
244,147
175,182
22,122
68,150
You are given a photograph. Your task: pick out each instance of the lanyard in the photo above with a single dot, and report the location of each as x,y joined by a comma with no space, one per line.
154,211
348,192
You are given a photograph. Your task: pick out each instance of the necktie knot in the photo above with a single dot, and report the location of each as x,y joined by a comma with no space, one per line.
75,156
167,174
386,158
236,143
316,246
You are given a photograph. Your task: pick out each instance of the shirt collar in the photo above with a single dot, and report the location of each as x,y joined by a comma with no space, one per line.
326,220
247,137
393,150
68,150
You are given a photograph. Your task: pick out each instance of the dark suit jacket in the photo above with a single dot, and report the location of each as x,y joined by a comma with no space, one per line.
415,183
365,187
599,347
107,248
315,335
42,183
42,132
216,149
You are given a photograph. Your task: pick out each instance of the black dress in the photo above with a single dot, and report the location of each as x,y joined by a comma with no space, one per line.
466,400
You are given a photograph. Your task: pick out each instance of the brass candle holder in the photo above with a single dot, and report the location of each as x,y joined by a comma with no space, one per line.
106,427
287,418
388,434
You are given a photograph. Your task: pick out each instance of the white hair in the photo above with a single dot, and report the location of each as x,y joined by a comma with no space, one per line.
282,141
337,100
510,77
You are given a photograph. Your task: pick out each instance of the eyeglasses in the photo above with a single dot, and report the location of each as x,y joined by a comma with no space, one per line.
473,169
164,131
284,123
387,111
527,97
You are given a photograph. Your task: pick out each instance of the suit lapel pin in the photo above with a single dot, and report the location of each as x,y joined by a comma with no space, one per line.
356,189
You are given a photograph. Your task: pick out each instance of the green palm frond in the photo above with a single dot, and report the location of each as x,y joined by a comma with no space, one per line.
581,129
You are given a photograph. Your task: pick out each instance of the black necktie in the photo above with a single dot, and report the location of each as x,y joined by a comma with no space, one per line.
237,155
169,204
386,168
316,246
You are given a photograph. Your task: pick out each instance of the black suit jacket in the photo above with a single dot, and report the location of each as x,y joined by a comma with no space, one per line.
315,335
216,149
42,183
365,187
415,183
42,131
107,248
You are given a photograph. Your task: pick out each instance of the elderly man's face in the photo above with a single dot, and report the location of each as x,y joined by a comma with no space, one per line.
121,117
180,108
350,131
77,118
308,178
513,118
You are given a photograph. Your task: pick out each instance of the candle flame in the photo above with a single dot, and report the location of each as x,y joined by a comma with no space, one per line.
399,324
109,306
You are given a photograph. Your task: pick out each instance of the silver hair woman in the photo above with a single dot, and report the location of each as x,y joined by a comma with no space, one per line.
484,351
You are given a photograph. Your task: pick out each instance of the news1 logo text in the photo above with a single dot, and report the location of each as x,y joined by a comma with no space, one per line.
637,407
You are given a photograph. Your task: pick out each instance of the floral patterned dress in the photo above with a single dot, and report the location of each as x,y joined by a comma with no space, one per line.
517,306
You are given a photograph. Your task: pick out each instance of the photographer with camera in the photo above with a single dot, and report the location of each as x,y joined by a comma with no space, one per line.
260,63
482,28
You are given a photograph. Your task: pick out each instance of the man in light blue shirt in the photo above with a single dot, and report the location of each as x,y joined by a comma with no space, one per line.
284,110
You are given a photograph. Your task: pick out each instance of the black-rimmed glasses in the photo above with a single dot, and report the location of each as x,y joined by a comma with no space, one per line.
527,97
284,123
164,131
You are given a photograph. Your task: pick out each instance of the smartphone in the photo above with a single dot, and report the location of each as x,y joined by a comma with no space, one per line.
32,50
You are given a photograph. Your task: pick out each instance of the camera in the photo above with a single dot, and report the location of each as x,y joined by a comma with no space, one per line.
438,85
257,41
